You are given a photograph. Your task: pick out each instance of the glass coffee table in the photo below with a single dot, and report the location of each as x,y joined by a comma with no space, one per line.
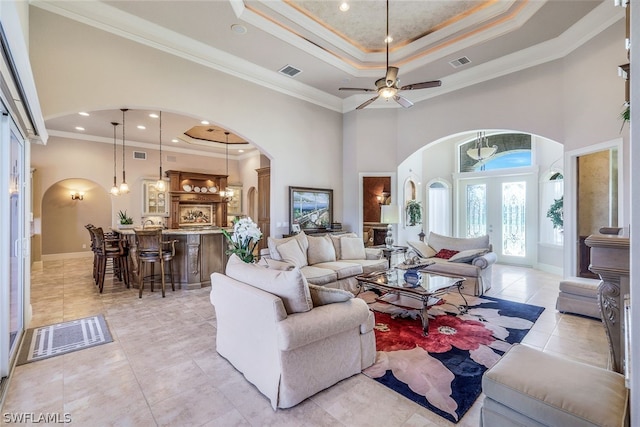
429,290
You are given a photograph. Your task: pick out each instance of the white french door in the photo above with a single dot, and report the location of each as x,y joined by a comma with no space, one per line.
12,261
505,208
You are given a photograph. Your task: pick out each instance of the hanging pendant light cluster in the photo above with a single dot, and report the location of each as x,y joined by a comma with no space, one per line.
160,184
114,190
481,149
227,193
124,187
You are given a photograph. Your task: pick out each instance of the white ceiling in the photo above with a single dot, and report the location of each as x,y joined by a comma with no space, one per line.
334,49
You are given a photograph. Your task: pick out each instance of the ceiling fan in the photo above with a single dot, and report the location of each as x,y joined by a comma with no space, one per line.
388,86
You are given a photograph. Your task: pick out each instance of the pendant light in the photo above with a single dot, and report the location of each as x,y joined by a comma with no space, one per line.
481,149
228,192
114,190
160,184
124,187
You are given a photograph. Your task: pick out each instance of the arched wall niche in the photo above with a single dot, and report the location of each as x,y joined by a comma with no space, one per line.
64,219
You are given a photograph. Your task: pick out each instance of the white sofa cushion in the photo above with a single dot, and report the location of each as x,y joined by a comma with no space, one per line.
439,242
422,249
468,255
319,276
321,295
335,239
352,248
290,286
320,250
290,252
343,269
272,244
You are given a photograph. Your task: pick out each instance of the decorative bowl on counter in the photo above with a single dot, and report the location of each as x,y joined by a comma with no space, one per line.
186,187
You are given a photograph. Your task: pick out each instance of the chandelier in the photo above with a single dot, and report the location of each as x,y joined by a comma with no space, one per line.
481,149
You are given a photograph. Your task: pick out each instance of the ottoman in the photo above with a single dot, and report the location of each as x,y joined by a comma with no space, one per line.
527,387
579,296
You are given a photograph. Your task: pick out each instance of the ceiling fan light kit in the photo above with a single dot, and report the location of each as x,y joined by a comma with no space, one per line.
387,87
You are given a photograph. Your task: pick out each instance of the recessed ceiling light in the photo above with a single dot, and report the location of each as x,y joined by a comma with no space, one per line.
174,140
153,115
83,113
141,127
388,39
239,29
240,151
204,122
344,6
79,128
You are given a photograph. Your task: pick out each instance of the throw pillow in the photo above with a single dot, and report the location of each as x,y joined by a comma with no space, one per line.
335,239
290,252
272,244
445,253
275,265
468,255
290,286
320,250
422,249
352,248
321,295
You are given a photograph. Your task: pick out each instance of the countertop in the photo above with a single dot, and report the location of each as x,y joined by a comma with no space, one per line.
183,231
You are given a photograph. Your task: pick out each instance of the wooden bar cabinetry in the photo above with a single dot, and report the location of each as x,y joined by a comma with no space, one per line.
194,188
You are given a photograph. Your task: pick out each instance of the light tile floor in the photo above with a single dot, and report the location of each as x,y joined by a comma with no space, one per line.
162,368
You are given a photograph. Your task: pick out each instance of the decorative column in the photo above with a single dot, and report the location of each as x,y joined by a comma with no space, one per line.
610,261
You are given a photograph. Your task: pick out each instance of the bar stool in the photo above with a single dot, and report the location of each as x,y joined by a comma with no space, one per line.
115,250
151,249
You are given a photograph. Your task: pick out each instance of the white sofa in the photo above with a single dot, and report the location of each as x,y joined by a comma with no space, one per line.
289,339
327,260
473,259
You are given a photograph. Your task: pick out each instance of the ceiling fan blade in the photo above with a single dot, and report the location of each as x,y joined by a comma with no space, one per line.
358,88
403,101
364,104
423,85
392,75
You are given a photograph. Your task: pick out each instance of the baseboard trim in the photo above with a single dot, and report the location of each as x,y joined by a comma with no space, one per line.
550,269
67,255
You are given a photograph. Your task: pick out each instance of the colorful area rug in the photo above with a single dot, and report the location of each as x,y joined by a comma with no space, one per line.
443,371
61,338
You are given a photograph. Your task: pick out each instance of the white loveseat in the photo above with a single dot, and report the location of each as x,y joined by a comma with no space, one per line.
470,258
327,260
289,339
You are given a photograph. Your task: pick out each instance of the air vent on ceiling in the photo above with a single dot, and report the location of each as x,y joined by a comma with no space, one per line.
459,62
140,155
289,71
172,159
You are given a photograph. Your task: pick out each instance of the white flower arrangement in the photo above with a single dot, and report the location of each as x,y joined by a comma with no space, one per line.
244,239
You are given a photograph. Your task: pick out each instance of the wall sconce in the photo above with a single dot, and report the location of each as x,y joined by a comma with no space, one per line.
77,195
383,198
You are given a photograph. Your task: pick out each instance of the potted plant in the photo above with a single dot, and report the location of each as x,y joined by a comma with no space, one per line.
414,212
244,239
555,213
125,220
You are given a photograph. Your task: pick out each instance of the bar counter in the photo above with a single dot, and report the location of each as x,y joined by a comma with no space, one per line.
199,252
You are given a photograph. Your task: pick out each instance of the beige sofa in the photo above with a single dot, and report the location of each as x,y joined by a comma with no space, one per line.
327,260
473,259
289,339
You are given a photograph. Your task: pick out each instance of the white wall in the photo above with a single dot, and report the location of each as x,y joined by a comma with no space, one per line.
78,68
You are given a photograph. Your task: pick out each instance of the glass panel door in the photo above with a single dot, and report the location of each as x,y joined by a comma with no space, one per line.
12,290
503,207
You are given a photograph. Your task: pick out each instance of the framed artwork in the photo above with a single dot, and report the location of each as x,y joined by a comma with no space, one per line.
310,208
191,215
234,206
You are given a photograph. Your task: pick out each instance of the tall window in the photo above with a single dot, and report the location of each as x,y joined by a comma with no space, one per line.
439,209
552,190
476,210
514,198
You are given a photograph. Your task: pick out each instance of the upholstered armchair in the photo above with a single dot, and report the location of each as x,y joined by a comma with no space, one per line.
286,345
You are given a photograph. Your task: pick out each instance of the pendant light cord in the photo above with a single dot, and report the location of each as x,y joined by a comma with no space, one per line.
160,177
